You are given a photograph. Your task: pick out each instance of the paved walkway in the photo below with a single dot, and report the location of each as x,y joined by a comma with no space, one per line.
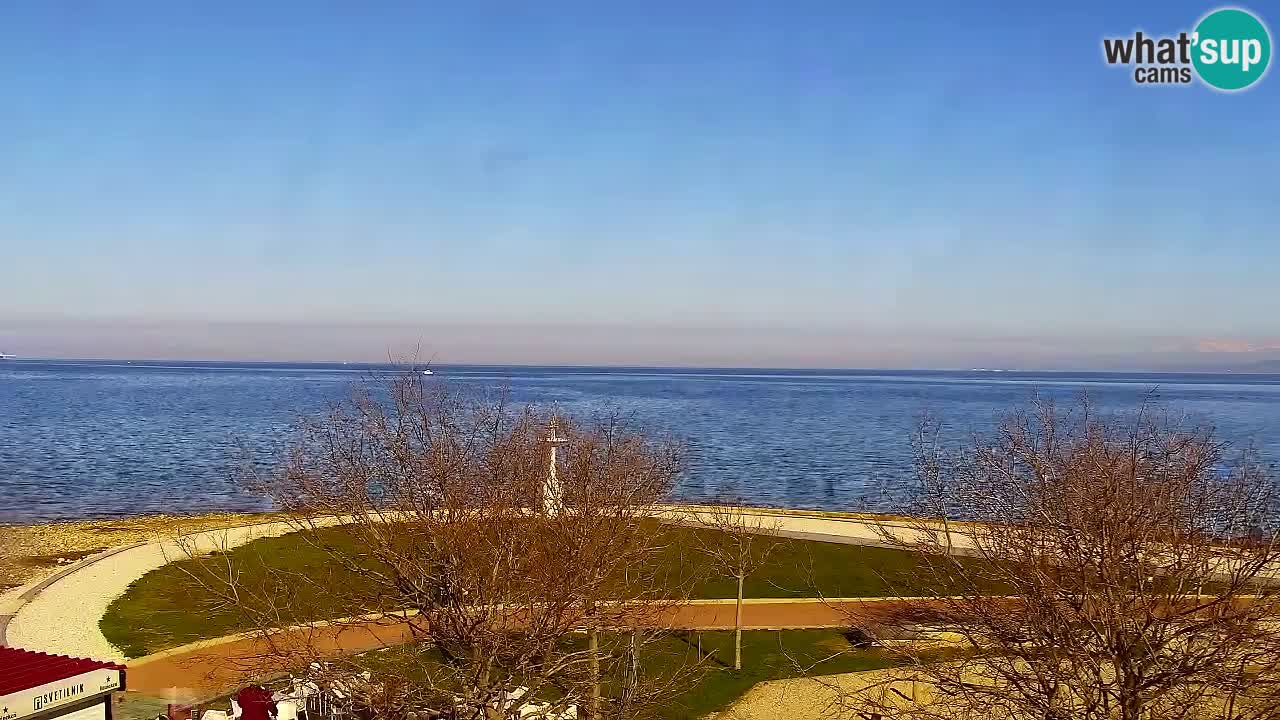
846,528
208,668
61,614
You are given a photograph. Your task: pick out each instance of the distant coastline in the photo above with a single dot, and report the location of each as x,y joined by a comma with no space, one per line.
1267,367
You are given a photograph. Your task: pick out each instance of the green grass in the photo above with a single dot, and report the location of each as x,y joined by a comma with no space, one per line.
766,655
166,607
688,685
801,568
678,682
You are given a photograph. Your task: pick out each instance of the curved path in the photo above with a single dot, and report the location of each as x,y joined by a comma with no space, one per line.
208,668
61,614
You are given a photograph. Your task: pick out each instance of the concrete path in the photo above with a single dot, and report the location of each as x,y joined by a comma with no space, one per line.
835,527
15,599
61,614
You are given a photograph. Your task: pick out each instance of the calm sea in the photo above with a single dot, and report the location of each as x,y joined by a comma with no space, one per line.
92,439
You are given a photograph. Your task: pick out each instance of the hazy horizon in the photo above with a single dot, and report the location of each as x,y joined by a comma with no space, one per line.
731,184
579,345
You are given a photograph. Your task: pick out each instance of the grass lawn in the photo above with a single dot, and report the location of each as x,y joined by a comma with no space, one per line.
766,655
802,568
708,682
166,608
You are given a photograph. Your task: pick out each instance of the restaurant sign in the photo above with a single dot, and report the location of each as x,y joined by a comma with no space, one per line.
60,693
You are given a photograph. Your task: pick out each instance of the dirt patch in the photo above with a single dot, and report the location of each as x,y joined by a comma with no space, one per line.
828,697
66,558
15,571
32,552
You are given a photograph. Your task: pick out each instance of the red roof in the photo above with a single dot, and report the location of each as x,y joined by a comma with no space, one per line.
26,669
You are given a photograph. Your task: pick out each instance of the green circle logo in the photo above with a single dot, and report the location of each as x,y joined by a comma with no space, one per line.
1232,49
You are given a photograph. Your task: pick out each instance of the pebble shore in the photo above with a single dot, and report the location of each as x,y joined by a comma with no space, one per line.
30,553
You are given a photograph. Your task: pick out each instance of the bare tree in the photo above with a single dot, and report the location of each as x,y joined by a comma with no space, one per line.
443,537
741,544
1121,566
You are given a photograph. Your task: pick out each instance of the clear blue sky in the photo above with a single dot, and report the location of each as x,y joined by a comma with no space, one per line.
843,183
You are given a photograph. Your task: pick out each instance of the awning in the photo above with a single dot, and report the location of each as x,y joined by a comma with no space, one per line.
36,683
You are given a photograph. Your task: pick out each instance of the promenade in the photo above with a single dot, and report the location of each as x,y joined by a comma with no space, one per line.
61,613
206,668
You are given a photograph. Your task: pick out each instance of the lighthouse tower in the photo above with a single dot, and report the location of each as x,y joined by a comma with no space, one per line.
552,492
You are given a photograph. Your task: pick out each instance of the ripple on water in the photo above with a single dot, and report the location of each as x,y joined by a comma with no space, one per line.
94,439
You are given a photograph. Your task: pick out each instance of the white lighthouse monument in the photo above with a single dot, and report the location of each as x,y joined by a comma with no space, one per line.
552,492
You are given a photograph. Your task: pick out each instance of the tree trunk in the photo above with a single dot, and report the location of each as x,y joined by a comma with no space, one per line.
482,687
737,629
632,677
1131,700
1131,709
593,708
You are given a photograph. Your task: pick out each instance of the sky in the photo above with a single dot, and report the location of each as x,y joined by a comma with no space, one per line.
836,184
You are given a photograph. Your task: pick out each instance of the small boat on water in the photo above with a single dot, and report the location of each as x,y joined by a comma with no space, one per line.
7,357
428,372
